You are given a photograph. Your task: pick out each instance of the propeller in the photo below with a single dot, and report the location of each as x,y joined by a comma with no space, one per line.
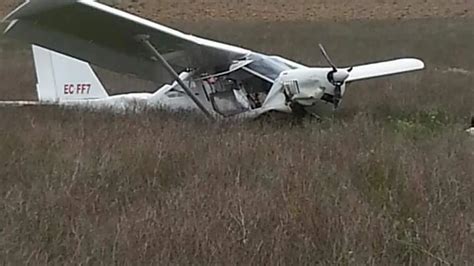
336,77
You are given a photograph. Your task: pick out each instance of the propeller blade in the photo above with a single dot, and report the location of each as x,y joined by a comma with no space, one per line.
336,77
326,56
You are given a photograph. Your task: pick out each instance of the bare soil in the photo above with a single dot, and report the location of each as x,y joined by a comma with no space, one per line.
283,10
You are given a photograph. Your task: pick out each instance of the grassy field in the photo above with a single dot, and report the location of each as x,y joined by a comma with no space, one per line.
387,180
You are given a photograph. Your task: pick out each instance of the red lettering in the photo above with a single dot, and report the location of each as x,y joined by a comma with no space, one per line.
80,88
68,89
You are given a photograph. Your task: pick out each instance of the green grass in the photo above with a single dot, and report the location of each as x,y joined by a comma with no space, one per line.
387,180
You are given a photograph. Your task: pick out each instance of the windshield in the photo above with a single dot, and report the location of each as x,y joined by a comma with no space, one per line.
268,67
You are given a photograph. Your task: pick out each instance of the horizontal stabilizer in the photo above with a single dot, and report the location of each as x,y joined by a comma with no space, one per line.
385,68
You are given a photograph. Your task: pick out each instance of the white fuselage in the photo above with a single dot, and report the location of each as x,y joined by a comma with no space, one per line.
306,86
134,102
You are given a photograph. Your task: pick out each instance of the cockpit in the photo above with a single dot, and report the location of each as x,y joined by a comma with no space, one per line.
241,87
244,86
266,67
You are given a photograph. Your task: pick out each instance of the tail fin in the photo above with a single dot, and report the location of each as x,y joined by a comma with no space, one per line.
63,78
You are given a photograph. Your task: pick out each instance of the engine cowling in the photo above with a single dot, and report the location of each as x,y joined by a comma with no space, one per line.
307,86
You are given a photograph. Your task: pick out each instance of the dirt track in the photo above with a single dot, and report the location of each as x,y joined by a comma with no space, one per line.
283,10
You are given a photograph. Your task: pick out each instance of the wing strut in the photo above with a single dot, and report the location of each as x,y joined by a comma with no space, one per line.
145,40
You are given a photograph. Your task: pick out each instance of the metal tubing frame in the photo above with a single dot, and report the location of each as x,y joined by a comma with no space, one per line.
145,40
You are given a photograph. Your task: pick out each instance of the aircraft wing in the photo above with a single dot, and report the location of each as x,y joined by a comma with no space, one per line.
385,68
105,36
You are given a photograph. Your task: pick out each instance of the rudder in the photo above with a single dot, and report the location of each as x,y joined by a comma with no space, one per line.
62,78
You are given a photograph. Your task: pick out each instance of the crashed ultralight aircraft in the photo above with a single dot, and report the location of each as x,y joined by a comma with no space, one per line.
220,80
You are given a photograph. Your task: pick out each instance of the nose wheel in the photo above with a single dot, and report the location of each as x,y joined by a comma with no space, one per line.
298,110
301,112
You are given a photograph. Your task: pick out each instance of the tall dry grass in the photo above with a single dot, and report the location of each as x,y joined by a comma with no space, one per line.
388,181
98,188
